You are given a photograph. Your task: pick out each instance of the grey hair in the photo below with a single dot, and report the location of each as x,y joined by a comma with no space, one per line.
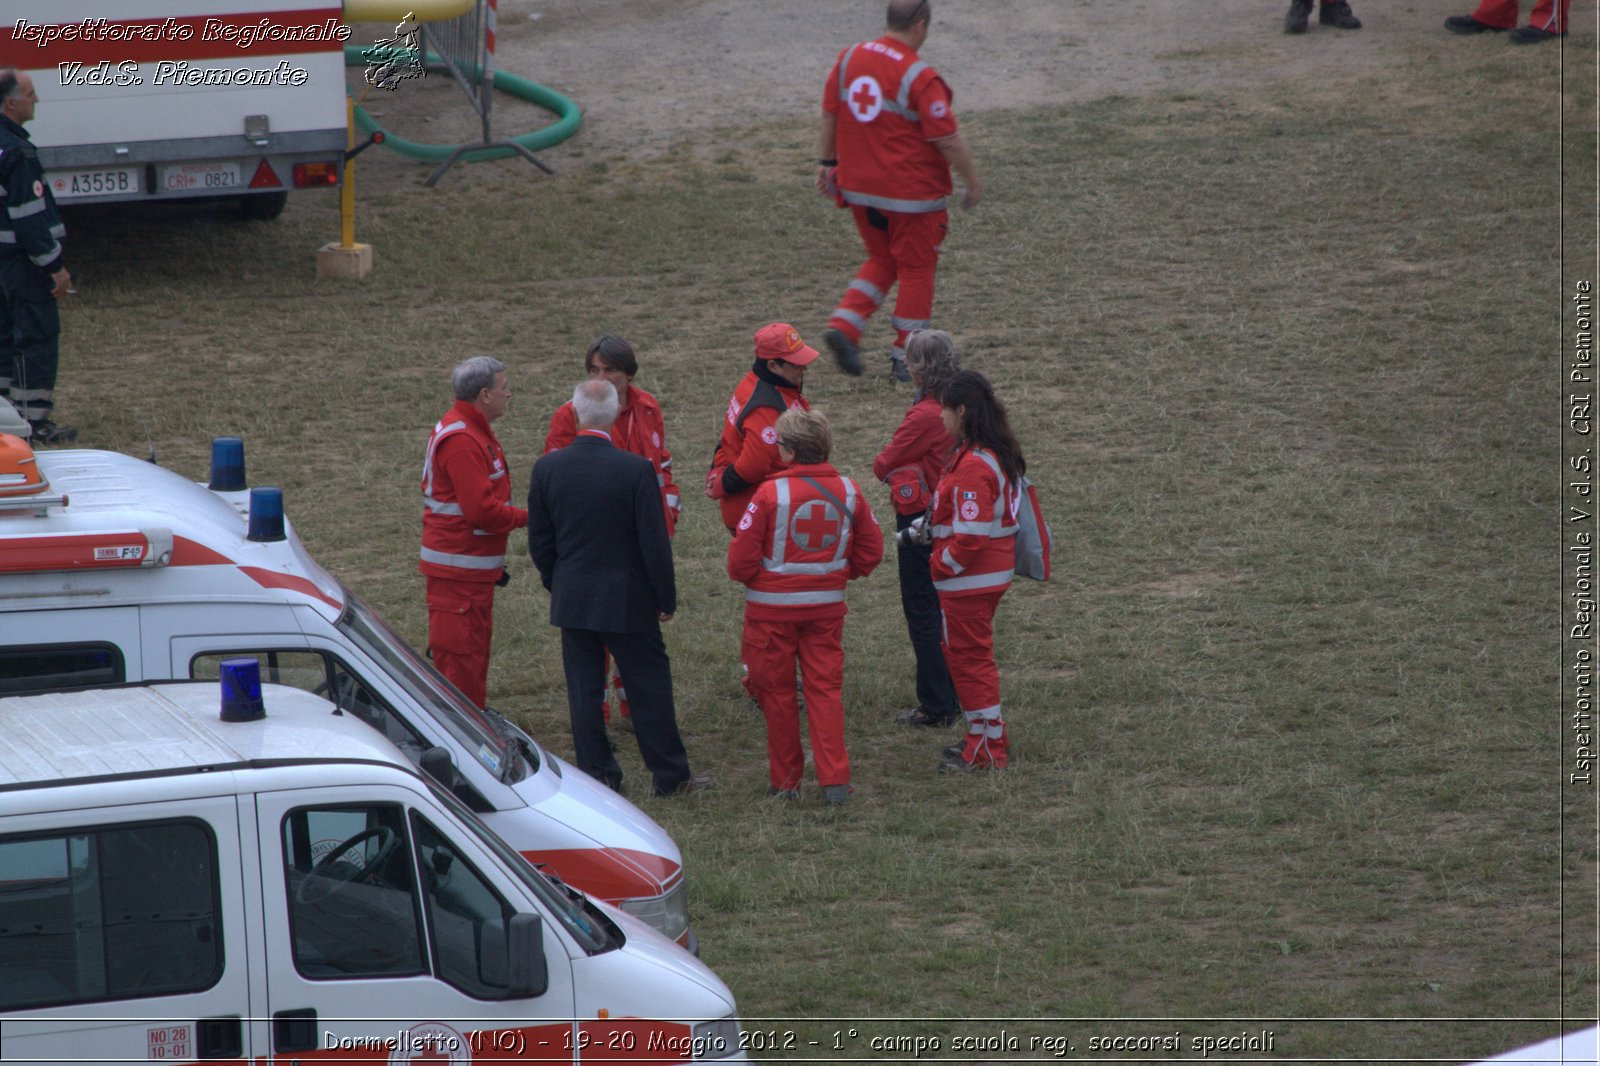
595,403
931,358
806,434
472,376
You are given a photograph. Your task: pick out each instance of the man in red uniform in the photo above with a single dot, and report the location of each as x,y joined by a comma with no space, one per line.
889,140
639,429
1549,19
466,515
748,449
806,532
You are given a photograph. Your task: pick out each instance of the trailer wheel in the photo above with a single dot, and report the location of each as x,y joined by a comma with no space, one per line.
263,207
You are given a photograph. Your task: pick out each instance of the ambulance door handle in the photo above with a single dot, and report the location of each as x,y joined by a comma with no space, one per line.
219,1038
294,1030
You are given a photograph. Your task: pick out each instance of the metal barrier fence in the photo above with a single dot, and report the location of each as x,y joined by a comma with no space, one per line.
465,47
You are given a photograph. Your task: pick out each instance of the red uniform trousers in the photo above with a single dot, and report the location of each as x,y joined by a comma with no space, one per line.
969,653
904,248
1548,15
460,630
771,651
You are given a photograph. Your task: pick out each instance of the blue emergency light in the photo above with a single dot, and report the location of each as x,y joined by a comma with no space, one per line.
227,464
266,513
241,690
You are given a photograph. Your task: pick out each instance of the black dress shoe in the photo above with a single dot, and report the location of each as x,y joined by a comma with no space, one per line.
698,783
924,717
1468,24
1532,35
1339,16
1299,16
47,432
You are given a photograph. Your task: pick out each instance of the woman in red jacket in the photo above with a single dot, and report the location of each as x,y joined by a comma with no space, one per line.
911,463
974,528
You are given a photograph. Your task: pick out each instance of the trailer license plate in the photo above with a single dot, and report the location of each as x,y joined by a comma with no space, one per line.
72,184
189,177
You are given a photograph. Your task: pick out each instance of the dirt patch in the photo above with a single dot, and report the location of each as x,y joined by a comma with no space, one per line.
652,75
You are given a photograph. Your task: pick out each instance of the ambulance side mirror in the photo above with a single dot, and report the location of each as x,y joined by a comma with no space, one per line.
528,972
437,764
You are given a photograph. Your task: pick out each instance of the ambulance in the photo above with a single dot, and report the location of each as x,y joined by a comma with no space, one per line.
114,570
183,884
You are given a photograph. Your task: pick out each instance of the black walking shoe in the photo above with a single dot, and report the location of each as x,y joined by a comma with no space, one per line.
47,432
1339,16
898,370
1532,35
1298,17
845,351
1468,24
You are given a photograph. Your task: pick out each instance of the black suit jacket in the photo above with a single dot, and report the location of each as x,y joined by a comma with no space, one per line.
598,536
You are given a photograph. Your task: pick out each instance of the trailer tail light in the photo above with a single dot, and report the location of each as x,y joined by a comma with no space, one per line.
86,551
316,175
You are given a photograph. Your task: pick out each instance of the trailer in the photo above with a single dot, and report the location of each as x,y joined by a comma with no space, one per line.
164,100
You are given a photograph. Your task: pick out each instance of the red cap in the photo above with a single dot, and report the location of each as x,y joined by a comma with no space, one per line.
780,341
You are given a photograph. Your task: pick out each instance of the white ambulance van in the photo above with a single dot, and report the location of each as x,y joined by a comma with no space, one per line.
115,570
179,887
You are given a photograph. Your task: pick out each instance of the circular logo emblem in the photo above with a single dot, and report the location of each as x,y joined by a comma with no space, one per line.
655,439
937,109
969,510
865,98
744,522
38,188
769,435
815,526
905,491
430,1042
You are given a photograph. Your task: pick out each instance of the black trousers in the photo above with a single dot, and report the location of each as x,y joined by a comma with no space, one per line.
30,332
920,602
646,672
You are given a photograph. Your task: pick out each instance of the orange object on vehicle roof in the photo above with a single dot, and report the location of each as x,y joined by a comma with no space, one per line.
19,470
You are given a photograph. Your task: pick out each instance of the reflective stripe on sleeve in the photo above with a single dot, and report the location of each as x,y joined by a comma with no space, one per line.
53,252
26,210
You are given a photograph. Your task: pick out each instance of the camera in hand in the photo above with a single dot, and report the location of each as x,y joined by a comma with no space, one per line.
919,532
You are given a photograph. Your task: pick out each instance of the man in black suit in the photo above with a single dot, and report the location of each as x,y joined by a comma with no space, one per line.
598,536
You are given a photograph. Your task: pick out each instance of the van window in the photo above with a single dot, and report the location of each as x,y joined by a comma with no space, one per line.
353,908
117,912
33,668
326,676
453,711
466,917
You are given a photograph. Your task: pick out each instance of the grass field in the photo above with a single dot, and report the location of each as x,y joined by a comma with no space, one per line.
1285,366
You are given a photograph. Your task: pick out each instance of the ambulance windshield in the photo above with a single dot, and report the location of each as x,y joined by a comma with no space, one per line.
480,732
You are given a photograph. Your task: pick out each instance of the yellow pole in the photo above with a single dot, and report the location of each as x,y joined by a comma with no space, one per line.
347,191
